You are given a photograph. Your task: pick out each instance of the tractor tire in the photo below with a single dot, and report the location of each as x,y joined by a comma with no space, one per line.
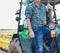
14,46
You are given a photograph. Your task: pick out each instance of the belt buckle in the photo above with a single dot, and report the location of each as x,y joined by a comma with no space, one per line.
44,26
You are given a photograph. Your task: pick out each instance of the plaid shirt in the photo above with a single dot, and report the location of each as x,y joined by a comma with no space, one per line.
36,14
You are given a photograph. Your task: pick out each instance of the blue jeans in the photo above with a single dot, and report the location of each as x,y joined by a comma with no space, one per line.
38,40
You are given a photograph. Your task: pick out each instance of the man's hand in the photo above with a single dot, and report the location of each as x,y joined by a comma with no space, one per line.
32,34
50,7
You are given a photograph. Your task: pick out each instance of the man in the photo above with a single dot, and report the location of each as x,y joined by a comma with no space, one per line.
36,20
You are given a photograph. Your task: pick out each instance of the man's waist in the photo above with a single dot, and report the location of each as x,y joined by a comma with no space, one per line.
44,26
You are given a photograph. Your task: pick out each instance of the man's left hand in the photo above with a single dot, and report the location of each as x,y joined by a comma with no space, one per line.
50,7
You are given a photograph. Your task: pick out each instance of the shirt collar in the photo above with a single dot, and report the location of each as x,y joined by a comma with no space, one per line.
37,6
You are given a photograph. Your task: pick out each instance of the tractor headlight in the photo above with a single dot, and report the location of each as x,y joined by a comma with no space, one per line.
52,25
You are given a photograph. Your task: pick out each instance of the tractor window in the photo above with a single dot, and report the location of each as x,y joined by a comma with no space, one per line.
58,12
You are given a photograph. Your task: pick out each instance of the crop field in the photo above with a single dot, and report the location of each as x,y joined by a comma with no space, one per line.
5,37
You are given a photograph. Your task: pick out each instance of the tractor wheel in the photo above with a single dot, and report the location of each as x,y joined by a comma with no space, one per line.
14,46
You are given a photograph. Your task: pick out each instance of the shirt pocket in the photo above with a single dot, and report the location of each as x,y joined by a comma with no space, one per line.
37,13
43,10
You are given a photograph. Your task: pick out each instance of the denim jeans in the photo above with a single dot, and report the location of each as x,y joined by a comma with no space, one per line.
38,40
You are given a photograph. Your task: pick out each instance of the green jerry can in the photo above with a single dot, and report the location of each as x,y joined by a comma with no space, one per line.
25,39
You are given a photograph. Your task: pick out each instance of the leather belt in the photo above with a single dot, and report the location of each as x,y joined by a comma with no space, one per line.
41,26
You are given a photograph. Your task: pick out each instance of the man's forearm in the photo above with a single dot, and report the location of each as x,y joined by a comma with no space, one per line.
29,24
30,28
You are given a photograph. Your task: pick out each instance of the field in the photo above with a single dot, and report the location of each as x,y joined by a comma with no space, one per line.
5,37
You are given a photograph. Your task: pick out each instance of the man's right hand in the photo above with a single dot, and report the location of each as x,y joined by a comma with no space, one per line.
32,35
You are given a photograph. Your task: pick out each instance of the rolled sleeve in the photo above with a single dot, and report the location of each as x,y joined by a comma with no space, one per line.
28,12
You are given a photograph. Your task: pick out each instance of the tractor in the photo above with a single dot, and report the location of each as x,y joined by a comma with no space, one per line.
22,43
